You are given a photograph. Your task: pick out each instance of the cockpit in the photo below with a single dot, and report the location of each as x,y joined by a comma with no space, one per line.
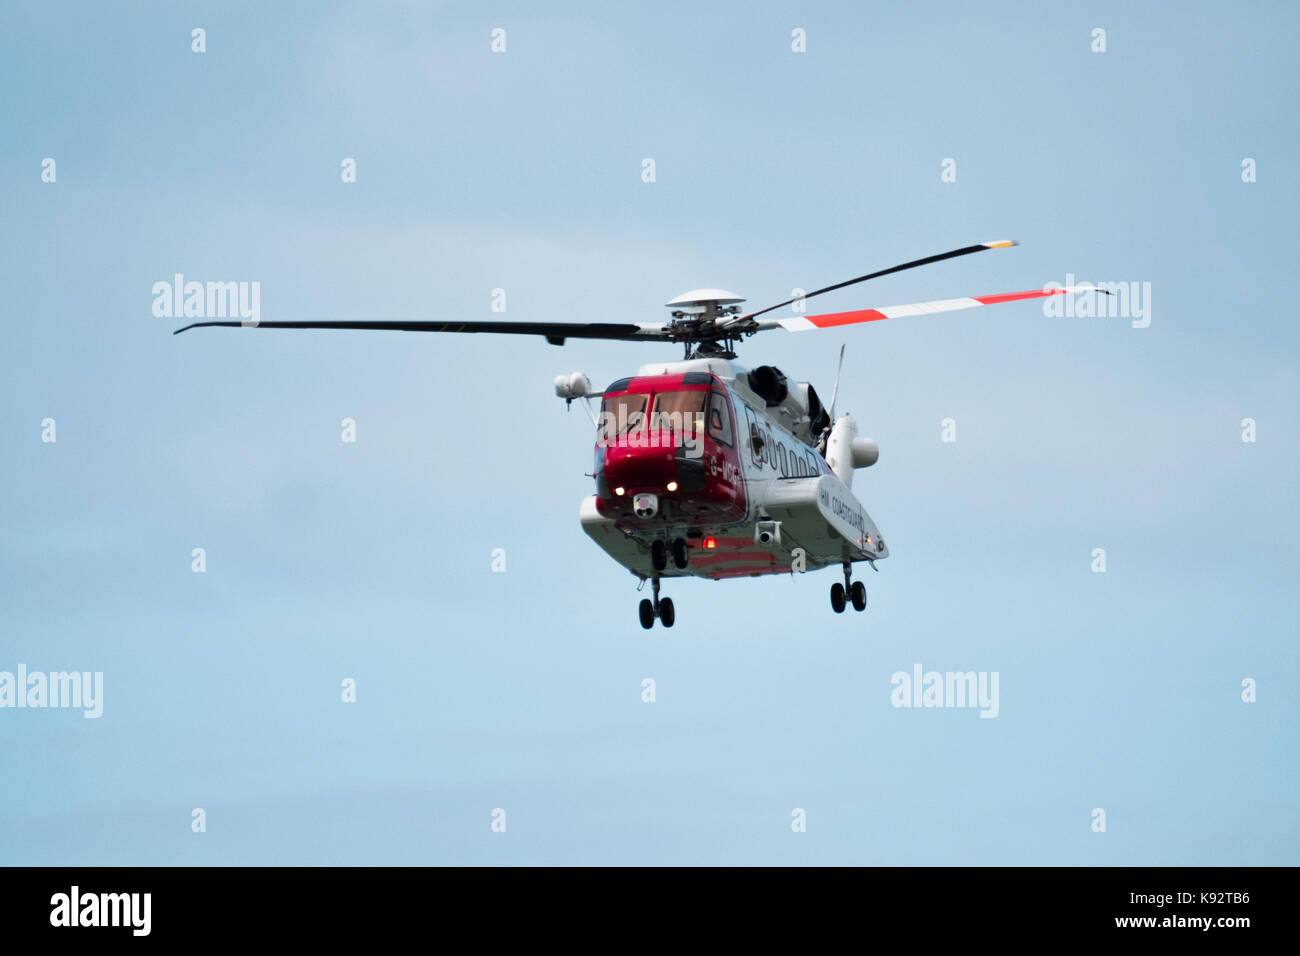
667,447
688,413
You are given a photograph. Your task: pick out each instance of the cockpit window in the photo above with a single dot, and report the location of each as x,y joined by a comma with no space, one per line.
679,412
621,415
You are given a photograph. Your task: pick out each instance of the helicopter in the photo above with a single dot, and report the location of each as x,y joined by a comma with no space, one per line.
707,469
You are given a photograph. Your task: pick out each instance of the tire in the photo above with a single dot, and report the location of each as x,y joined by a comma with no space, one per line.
647,613
680,557
667,614
837,598
658,555
858,594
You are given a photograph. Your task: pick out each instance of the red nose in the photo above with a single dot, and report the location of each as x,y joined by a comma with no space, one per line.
649,466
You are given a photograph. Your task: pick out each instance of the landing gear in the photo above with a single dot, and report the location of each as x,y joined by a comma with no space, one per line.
660,550
837,598
849,591
658,608
667,614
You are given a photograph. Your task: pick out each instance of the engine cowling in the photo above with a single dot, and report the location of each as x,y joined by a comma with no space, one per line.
769,383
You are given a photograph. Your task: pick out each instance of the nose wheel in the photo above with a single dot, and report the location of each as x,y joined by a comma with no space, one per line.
661,608
850,591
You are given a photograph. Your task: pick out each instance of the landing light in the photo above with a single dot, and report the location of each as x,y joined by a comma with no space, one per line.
672,486
710,542
619,492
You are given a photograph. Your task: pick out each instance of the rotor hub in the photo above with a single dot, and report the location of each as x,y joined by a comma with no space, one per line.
696,316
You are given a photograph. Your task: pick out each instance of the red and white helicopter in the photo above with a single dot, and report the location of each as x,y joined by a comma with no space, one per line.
707,469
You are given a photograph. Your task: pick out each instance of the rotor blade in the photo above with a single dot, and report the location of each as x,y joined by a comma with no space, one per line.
802,323
835,393
554,332
963,251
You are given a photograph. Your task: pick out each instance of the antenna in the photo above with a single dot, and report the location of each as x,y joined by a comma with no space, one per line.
836,392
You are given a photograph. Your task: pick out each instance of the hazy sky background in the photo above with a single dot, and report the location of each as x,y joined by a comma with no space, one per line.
522,690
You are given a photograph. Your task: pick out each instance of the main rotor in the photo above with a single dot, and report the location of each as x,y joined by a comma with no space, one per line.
707,322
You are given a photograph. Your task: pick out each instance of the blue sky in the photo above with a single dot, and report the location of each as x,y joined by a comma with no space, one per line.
522,690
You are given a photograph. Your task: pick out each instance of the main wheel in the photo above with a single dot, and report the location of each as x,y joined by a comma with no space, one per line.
647,613
837,598
658,554
679,553
858,594
666,612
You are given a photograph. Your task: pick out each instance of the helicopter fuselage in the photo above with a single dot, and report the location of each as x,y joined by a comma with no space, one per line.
689,450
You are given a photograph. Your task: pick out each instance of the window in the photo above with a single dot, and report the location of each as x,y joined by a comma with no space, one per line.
621,415
755,438
679,412
719,418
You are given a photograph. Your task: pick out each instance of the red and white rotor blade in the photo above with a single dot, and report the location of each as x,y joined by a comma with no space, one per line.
803,323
